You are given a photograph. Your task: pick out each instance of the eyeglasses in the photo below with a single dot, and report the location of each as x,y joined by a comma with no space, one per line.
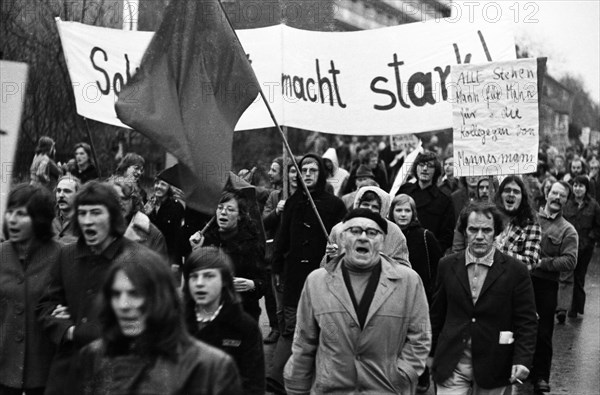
228,209
371,232
430,165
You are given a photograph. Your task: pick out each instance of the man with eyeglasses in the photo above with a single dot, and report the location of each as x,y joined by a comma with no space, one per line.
434,208
363,323
299,247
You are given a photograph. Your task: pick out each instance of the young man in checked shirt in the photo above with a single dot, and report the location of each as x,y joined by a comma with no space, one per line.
522,236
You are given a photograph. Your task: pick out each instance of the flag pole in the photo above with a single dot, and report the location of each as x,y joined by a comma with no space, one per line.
89,133
285,142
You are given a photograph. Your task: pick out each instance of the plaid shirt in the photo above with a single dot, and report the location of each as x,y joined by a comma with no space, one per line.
520,243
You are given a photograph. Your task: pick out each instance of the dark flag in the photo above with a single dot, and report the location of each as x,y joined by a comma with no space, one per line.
193,85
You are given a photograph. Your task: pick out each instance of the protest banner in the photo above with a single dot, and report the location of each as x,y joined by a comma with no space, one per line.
13,79
376,82
495,118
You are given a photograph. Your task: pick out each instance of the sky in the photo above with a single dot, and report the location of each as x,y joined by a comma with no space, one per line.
565,31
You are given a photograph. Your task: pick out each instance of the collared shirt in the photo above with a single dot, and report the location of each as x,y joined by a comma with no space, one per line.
548,215
477,270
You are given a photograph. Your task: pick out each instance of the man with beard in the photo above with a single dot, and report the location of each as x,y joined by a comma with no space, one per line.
299,248
363,322
434,208
559,254
522,235
69,308
63,224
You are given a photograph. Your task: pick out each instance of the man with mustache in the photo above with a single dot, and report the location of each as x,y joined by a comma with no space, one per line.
69,308
63,224
559,254
363,322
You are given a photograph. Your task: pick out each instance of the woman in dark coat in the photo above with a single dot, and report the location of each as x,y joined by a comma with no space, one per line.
214,315
423,250
85,169
145,347
235,232
26,259
584,213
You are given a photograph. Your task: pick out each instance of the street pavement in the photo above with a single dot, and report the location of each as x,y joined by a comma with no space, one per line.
576,361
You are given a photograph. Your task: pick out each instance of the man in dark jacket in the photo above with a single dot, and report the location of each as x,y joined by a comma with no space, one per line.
434,208
483,315
299,248
69,308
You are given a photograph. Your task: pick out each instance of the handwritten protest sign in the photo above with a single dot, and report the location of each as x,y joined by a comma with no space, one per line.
495,118
402,142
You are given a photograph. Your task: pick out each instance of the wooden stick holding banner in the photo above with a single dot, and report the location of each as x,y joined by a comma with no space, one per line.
285,142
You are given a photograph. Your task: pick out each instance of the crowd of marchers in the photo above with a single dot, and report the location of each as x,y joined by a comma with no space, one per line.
456,283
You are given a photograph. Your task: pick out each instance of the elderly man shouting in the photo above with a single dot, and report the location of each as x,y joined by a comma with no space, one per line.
363,323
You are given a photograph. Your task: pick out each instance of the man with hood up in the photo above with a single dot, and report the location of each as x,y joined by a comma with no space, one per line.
336,176
299,248
378,201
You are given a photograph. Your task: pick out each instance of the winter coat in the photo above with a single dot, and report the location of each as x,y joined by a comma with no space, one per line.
300,243
331,354
26,351
76,282
246,253
90,173
168,219
435,211
199,369
238,334
585,219
424,258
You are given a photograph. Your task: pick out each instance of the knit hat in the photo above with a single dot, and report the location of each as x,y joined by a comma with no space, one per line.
366,213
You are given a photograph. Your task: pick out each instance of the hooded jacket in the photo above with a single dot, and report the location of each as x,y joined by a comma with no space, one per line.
300,243
394,245
339,175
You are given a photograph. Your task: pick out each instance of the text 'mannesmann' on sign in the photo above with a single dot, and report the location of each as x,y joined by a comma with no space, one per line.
495,118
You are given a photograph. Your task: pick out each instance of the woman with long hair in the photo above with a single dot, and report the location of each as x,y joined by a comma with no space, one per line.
236,233
131,169
583,212
424,252
43,170
85,169
27,256
214,315
145,347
